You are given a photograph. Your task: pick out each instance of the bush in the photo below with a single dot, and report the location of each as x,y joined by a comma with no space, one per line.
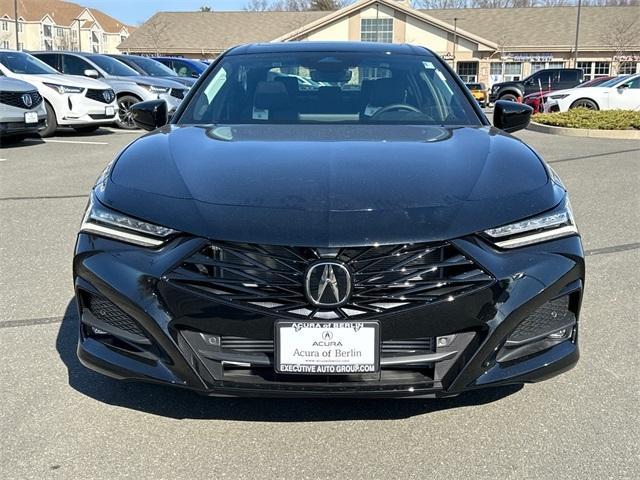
594,119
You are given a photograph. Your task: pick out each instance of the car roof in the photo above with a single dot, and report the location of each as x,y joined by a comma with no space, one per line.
369,47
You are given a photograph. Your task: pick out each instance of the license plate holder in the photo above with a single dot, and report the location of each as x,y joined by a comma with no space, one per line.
31,117
327,348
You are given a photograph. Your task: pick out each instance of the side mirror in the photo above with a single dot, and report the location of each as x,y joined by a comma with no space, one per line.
511,116
90,72
150,115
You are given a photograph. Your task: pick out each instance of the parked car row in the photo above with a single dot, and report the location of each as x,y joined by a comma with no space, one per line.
41,91
560,89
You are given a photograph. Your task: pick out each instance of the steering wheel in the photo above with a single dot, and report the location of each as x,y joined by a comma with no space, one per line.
396,106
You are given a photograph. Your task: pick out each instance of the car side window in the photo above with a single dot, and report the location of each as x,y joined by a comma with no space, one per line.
50,59
72,65
568,76
635,83
182,70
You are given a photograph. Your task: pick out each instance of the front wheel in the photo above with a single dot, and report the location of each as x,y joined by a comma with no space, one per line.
584,103
510,97
52,122
125,117
87,129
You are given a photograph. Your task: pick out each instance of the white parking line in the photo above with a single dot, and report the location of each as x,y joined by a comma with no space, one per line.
3,159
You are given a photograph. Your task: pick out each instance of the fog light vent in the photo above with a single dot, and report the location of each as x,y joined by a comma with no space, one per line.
550,319
106,311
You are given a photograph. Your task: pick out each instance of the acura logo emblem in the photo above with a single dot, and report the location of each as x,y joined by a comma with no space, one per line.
107,96
327,284
27,100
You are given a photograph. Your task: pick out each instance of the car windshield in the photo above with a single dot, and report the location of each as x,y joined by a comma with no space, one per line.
152,67
474,86
113,66
24,63
614,81
344,87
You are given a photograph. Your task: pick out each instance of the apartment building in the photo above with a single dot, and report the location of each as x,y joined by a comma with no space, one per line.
59,25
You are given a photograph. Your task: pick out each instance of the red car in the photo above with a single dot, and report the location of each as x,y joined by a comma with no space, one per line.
534,100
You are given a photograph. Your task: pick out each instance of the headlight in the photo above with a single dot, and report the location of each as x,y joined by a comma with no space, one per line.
64,88
559,97
100,220
555,224
154,88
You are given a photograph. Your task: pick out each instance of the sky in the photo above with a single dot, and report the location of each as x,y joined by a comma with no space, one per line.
134,12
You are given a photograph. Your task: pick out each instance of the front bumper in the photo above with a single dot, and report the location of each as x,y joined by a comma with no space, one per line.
22,128
82,111
133,279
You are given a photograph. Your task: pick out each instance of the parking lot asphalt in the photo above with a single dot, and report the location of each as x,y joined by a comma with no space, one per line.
60,420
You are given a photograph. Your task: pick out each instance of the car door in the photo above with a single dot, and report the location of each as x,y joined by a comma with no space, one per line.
627,97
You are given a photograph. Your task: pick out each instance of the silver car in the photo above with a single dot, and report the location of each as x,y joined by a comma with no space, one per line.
22,109
129,85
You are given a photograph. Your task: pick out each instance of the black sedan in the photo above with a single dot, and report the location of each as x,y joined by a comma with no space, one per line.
374,236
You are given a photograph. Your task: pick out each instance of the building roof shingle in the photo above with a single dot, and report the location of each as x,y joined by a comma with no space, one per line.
541,26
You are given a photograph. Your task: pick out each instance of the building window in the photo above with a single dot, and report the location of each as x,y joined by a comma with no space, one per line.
5,26
20,27
376,30
555,65
104,38
48,44
46,30
627,68
468,71
537,66
5,44
512,71
601,69
95,38
586,69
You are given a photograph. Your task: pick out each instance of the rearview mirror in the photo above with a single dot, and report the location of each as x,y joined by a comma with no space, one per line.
150,115
90,72
511,116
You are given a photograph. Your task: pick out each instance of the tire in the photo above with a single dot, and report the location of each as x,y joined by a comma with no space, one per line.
52,122
585,103
87,129
125,121
510,97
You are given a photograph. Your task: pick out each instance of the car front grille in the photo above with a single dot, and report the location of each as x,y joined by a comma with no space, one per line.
178,92
383,278
99,95
15,99
250,345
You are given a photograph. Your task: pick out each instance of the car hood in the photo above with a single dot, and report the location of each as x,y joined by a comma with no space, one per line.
61,79
319,185
15,85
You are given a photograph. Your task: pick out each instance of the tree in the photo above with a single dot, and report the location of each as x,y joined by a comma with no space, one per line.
325,5
153,33
206,8
622,35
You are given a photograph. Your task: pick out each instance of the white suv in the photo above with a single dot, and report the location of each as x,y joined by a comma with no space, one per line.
82,103
21,109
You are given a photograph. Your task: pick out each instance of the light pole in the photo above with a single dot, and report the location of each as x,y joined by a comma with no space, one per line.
15,14
455,40
575,48
79,33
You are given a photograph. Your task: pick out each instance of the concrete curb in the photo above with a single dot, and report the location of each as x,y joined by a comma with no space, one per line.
585,132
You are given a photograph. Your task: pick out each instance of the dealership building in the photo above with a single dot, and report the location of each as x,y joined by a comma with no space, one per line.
483,45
